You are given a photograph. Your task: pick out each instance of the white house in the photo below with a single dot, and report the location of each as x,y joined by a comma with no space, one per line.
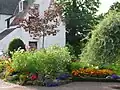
11,10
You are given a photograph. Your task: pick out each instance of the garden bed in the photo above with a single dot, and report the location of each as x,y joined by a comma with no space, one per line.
46,67
94,75
93,79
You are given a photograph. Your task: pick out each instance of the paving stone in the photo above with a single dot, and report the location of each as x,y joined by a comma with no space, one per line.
71,86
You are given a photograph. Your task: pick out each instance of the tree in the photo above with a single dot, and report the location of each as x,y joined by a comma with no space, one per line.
115,6
104,46
79,19
42,26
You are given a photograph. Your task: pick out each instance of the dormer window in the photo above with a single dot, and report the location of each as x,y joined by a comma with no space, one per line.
21,5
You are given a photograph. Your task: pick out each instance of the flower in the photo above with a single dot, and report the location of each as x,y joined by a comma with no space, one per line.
114,76
53,85
34,77
91,72
63,76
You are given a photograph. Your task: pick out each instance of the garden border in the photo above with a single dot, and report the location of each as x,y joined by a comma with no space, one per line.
93,79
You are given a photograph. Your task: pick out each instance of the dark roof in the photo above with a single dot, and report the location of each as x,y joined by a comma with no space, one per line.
8,7
6,32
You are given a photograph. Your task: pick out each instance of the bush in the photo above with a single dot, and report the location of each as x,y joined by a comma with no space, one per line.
14,45
72,52
77,65
104,45
2,66
48,61
114,66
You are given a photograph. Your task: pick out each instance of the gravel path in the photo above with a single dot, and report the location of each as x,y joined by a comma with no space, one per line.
71,86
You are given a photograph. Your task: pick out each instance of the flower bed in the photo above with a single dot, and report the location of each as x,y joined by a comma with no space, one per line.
93,79
87,72
97,75
47,67
8,73
50,67
32,78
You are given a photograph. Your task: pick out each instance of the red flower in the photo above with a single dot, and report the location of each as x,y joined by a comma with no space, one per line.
34,77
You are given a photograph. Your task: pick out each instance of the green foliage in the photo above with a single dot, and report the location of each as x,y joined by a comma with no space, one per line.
2,66
115,6
77,65
48,61
113,66
72,51
100,17
15,44
23,61
80,17
104,45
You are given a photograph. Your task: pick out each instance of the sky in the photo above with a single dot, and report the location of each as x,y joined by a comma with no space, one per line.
105,5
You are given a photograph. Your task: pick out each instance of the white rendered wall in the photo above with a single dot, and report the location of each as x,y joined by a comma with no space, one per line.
5,41
59,39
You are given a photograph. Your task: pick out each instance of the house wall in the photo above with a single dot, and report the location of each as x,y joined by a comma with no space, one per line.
59,39
5,41
3,23
26,38
44,4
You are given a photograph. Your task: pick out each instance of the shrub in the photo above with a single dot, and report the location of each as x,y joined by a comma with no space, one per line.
23,61
114,66
55,60
77,65
2,66
14,45
104,45
48,61
74,55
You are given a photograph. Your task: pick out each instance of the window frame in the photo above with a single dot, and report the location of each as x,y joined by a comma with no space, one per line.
21,6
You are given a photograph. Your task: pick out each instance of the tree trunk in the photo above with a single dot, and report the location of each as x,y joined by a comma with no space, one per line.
43,39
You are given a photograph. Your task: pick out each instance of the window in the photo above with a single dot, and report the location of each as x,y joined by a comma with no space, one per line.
33,45
36,6
21,6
